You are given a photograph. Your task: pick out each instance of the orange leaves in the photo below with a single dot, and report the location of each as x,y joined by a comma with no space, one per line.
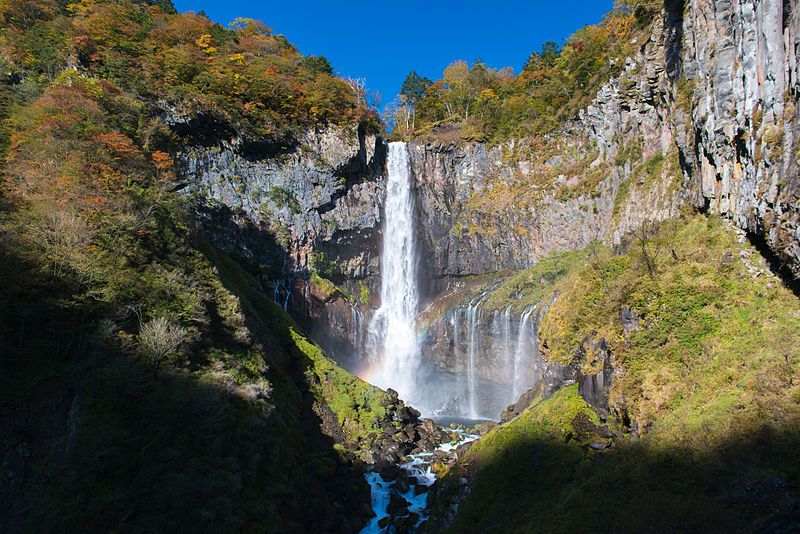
161,160
163,164
22,14
119,145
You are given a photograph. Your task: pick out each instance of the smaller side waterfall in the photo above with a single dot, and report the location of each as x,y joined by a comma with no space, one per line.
473,316
356,328
504,351
524,347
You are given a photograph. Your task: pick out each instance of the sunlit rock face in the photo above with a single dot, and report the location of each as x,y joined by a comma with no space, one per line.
740,139
317,198
704,114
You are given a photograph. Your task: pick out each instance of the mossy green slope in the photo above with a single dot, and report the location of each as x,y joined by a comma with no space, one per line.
224,438
705,402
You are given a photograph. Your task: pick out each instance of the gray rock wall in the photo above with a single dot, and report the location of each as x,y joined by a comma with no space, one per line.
704,114
323,194
741,141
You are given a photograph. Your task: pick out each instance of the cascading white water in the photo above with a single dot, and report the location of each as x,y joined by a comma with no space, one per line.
507,342
393,327
501,344
474,316
523,347
356,328
472,319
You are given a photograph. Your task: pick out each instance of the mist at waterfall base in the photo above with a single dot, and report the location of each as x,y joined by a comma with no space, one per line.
494,354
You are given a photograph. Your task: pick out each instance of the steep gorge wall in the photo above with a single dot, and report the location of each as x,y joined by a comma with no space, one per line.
317,198
704,115
740,142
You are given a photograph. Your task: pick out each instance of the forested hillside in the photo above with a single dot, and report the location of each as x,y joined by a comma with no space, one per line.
192,246
147,384
474,102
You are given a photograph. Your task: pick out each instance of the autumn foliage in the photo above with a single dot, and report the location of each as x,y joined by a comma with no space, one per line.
246,74
479,102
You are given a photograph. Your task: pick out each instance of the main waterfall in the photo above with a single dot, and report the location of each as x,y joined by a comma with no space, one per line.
392,330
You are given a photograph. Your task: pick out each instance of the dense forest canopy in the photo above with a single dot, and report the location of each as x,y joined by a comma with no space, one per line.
244,74
477,102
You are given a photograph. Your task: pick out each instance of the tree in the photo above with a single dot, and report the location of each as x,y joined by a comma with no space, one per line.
316,65
644,233
249,27
456,89
359,88
544,59
412,92
159,339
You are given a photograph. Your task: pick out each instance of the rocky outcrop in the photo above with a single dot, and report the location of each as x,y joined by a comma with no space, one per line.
318,199
487,209
704,113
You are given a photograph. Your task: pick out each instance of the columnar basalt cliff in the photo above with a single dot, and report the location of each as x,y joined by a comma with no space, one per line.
318,196
740,143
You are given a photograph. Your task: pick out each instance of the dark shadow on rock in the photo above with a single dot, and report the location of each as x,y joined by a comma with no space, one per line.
777,265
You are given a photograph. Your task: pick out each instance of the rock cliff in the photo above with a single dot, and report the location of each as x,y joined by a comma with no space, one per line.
704,114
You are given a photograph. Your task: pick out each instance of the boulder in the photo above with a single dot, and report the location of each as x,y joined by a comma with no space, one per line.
397,506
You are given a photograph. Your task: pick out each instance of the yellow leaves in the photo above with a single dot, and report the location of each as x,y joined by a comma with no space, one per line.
204,42
237,59
249,27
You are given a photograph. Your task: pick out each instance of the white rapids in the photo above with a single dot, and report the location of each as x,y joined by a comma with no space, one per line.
418,466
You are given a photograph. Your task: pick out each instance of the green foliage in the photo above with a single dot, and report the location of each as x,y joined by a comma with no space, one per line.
283,198
97,250
364,293
360,407
702,316
708,379
316,65
324,285
530,286
321,265
414,88
653,167
621,196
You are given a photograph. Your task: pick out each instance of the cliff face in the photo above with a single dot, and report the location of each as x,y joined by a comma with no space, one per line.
704,114
488,209
740,142
713,92
316,198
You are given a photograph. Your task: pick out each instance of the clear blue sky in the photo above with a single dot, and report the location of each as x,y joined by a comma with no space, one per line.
382,41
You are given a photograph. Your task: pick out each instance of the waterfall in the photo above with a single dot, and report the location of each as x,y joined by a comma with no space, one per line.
356,328
501,345
393,328
522,350
474,316
506,329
